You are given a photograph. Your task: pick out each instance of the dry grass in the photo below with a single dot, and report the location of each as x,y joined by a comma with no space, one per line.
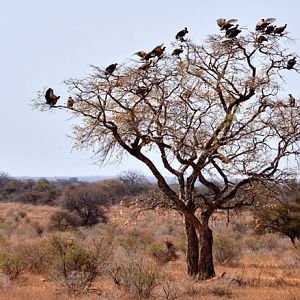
268,266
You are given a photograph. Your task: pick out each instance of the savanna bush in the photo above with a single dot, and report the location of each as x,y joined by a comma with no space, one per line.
226,250
73,266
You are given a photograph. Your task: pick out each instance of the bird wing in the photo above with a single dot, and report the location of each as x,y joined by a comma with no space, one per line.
232,21
271,20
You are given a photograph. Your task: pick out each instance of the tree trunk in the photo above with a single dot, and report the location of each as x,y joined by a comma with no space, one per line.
192,249
206,265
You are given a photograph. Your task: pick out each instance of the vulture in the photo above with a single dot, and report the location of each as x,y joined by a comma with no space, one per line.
264,23
177,51
51,99
70,102
269,29
261,38
141,54
141,91
181,34
233,32
226,24
110,69
280,29
158,50
291,62
145,66
292,100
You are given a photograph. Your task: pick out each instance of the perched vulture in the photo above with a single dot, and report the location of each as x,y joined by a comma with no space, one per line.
264,23
291,62
233,32
141,91
110,69
177,51
261,38
280,29
51,99
292,100
141,54
70,102
145,66
158,50
269,29
181,34
226,24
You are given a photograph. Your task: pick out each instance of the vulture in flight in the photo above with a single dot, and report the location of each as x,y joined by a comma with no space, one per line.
291,62
181,34
51,99
226,24
264,23
70,102
292,100
110,69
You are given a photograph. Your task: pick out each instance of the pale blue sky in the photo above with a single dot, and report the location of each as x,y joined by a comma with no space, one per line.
45,42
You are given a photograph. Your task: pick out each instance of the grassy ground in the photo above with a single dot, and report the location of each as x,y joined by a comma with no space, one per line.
259,267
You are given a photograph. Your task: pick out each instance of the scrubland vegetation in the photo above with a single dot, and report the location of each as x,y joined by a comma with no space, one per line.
65,238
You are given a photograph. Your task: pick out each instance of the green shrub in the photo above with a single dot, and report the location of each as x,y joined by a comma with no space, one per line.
225,249
64,220
73,266
137,277
163,253
11,264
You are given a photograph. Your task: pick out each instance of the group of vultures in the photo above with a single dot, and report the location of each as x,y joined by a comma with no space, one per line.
265,27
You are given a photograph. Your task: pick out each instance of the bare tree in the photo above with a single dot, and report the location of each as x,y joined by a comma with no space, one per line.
132,177
4,179
217,116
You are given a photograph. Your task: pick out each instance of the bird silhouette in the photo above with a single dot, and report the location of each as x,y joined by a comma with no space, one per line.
280,29
291,62
233,32
292,100
141,91
141,54
110,69
70,102
270,29
180,34
261,38
177,51
226,24
264,23
158,50
51,99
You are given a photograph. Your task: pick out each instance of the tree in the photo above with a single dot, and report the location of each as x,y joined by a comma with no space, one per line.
133,177
216,116
282,217
87,201
4,179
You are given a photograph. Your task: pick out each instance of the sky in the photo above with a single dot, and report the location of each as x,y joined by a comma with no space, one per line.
46,42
